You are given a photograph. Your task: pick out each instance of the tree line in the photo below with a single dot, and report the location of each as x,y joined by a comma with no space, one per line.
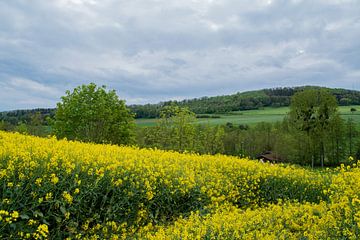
274,97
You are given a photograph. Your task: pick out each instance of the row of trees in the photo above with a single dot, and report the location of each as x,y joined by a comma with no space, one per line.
35,124
17,117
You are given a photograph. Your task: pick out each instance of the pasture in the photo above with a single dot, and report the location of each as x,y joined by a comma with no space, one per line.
252,117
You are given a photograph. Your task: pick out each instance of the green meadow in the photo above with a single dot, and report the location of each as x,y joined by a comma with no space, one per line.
251,117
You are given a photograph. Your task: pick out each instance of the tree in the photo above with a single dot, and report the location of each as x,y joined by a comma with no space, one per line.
177,129
6,126
21,128
209,139
93,114
312,112
35,125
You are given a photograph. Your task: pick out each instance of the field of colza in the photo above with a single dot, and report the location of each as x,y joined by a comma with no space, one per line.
58,189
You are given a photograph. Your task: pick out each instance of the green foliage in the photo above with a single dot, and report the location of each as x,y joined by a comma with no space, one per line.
5,126
175,130
21,128
352,134
314,112
25,116
92,114
179,124
209,139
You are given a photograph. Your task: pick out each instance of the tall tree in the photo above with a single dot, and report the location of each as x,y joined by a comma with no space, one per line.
177,128
93,114
312,111
209,139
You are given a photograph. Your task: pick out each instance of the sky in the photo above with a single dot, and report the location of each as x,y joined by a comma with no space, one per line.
156,50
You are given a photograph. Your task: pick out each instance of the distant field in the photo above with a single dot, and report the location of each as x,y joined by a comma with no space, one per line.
252,117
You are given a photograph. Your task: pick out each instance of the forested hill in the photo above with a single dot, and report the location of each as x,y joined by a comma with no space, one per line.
274,97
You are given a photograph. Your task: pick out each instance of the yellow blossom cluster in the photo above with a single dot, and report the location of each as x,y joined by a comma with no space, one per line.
60,189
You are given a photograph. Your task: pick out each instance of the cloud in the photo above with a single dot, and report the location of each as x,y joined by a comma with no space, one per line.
154,50
32,86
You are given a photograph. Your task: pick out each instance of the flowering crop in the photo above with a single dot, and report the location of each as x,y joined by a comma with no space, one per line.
61,189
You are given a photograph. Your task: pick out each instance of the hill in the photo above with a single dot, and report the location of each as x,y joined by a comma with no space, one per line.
251,100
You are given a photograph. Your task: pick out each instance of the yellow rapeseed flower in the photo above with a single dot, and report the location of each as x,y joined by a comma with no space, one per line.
67,196
54,179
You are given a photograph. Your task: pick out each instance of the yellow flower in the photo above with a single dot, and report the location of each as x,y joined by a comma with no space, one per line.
38,181
32,222
68,198
48,196
15,215
54,178
149,195
43,230
4,213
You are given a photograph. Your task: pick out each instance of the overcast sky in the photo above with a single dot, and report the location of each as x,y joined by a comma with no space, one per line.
156,50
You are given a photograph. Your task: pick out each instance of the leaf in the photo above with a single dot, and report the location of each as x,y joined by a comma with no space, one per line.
38,213
46,222
63,210
58,219
24,216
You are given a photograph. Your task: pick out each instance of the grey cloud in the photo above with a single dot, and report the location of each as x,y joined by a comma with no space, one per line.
155,50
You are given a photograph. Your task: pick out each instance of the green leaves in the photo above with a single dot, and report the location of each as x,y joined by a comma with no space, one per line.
314,112
92,114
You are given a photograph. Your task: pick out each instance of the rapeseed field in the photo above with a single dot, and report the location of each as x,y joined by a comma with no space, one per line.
58,189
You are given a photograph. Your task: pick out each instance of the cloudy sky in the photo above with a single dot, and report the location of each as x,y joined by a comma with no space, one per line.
155,50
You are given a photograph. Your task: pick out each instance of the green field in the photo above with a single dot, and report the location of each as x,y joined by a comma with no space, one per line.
251,117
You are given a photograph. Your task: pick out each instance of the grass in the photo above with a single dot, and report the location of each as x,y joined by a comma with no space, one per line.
252,117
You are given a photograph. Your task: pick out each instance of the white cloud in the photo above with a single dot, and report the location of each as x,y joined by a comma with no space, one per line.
29,85
156,50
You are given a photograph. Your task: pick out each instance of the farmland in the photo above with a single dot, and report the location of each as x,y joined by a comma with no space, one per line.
252,117
61,189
